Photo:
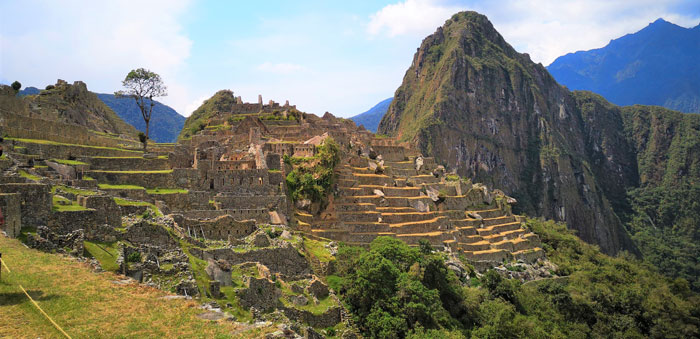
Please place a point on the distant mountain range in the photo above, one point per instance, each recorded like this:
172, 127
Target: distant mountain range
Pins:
373, 116
166, 123
659, 65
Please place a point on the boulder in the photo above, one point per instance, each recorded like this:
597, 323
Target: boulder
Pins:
433, 193
379, 193
215, 289
318, 289
300, 300
419, 205
419, 163
261, 240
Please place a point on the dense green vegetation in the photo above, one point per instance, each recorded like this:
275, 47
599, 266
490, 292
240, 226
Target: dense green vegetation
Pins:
311, 178
664, 226
397, 291
222, 101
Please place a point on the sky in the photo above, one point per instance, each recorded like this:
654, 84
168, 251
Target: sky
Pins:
336, 56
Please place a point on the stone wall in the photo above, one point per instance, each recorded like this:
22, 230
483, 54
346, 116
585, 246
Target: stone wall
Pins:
150, 234
36, 202
222, 228
285, 260
108, 212
126, 163
10, 208
324, 320
163, 179
261, 216
270, 202
192, 200
68, 151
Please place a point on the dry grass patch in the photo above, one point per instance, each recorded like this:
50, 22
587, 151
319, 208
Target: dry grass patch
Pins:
87, 304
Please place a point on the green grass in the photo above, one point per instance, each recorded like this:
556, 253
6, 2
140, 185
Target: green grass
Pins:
317, 249
73, 190
29, 176
335, 282
59, 200
124, 202
105, 253
68, 162
89, 305
322, 306
134, 172
166, 191
49, 142
87, 177
68, 208
3, 156
119, 187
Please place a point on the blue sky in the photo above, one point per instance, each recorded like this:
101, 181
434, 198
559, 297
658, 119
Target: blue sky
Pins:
337, 56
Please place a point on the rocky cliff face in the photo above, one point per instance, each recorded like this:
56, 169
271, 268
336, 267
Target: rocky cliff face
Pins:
479, 107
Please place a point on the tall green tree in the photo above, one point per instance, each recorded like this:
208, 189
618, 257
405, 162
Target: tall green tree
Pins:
143, 85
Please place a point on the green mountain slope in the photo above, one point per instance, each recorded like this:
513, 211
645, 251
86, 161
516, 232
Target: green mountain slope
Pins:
493, 115
221, 101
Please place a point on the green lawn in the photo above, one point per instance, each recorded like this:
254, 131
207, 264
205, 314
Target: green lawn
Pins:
29, 176
317, 249
166, 191
49, 142
68, 162
105, 253
134, 172
119, 187
90, 305
124, 202
76, 191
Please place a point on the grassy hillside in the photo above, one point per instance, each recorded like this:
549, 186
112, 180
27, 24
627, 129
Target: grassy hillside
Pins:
87, 304
222, 101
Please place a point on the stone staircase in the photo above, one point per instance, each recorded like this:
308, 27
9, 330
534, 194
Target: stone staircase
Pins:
394, 203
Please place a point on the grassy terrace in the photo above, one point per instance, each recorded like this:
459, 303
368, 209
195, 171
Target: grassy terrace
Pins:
68, 162
159, 157
119, 187
166, 191
61, 204
134, 172
48, 142
90, 305
76, 191
29, 176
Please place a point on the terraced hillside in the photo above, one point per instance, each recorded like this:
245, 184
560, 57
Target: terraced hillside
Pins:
417, 203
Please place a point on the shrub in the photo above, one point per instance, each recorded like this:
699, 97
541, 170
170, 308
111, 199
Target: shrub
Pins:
16, 86
134, 257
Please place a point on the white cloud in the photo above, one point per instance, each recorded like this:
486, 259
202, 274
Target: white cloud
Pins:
279, 68
192, 106
410, 17
96, 42
545, 29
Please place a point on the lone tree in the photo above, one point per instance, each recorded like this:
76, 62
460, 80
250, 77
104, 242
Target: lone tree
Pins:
16, 86
143, 85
